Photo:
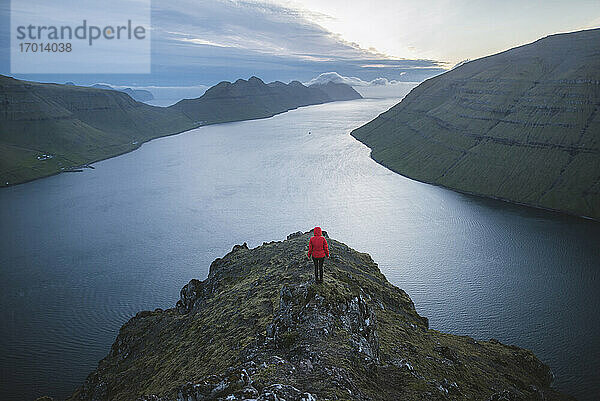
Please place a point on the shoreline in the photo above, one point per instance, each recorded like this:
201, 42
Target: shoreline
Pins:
483, 196
475, 194
89, 163
139, 144
79, 144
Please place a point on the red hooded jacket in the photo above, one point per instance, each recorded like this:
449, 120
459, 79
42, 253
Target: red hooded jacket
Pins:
317, 246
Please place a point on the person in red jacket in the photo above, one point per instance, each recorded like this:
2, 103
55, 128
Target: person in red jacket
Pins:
318, 249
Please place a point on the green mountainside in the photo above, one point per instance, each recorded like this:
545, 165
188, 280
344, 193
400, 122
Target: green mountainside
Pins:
260, 328
49, 128
522, 125
251, 99
71, 125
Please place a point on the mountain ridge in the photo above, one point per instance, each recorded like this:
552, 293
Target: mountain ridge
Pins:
259, 328
522, 125
237, 101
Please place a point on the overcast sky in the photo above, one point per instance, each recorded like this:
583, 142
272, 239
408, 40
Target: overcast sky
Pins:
205, 41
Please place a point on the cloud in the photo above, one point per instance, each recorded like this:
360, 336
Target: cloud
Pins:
352, 81
258, 36
204, 42
257, 27
384, 81
376, 88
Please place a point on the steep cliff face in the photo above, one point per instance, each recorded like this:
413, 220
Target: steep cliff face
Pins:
522, 125
260, 328
251, 99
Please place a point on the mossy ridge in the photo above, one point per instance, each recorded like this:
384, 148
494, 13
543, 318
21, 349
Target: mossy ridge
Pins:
259, 326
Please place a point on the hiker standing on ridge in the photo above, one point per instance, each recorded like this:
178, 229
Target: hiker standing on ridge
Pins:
318, 249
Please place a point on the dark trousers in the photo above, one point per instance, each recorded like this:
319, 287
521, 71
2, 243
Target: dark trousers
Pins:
318, 269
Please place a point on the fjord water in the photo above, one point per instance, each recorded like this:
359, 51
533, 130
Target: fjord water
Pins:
81, 253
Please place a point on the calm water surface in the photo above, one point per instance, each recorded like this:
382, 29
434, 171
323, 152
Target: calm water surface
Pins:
83, 252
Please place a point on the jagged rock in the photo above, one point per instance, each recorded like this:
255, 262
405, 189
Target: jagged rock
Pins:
276, 392
239, 247
191, 295
447, 353
507, 395
260, 328
294, 235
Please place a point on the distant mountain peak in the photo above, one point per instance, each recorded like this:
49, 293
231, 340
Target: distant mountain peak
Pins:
337, 91
254, 98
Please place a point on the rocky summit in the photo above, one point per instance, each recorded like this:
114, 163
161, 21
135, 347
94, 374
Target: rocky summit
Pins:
260, 328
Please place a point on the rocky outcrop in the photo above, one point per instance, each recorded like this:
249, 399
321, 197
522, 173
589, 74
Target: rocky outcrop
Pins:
237, 384
259, 328
522, 125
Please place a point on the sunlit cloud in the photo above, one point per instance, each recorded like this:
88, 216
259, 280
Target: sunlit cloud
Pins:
352, 81
378, 66
448, 30
183, 37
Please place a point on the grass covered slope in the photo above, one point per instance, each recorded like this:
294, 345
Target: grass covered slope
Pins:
522, 125
260, 328
75, 125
